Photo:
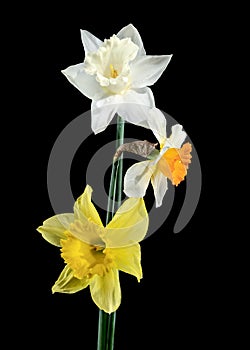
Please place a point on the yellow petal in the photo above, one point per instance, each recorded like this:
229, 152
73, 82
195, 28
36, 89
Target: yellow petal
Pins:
129, 225
128, 260
87, 232
87, 226
54, 228
85, 209
106, 291
67, 283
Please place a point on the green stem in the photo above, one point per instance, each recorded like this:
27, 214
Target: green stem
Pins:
111, 332
115, 186
102, 330
119, 142
106, 326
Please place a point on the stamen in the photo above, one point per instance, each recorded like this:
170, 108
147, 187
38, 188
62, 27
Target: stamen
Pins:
97, 248
113, 72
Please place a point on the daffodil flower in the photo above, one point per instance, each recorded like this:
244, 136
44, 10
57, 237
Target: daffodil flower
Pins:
171, 163
93, 253
115, 75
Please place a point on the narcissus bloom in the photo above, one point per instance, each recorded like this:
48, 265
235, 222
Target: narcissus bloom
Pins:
115, 75
93, 253
171, 163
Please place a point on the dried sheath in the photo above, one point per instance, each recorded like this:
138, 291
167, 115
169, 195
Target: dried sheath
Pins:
142, 148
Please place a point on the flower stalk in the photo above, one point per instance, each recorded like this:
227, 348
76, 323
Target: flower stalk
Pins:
106, 324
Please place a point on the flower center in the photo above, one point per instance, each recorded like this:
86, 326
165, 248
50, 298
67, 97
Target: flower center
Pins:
113, 56
113, 72
84, 259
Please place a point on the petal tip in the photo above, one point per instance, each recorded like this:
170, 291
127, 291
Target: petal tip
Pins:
89, 188
63, 71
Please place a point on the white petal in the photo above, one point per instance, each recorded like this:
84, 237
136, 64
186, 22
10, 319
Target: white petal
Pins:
90, 42
177, 137
131, 32
84, 82
146, 70
157, 123
102, 112
160, 186
135, 106
135, 113
137, 178
138, 109
143, 97
132, 106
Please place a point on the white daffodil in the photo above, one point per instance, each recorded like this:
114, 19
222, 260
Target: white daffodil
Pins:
171, 163
115, 75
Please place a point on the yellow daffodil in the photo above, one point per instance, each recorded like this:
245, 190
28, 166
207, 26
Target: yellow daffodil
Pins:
115, 75
171, 163
93, 253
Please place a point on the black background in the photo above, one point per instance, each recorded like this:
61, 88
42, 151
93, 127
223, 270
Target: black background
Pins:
179, 301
